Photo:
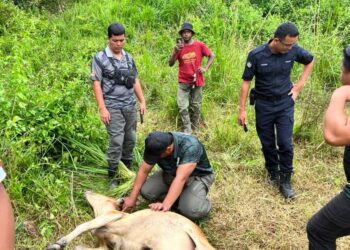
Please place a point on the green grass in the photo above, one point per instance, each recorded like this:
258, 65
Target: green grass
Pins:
53, 143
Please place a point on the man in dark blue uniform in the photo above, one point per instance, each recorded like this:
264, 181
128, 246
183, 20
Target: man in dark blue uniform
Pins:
274, 96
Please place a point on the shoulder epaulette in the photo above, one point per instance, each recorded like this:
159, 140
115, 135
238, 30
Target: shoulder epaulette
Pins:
258, 49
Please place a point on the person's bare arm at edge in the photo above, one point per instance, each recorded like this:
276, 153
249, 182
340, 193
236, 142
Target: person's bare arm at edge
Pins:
242, 115
139, 94
209, 63
7, 228
297, 87
7, 224
104, 113
141, 177
336, 125
176, 187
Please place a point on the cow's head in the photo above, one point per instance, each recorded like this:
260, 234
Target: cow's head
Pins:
102, 204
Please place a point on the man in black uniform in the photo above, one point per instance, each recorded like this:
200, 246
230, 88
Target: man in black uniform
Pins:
274, 96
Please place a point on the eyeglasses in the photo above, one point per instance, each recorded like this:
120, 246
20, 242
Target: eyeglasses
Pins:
286, 44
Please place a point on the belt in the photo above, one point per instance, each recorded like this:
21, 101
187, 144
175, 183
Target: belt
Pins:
271, 98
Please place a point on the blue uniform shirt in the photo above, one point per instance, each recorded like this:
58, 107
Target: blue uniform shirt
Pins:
272, 71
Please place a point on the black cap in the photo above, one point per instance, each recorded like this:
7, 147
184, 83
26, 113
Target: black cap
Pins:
155, 144
186, 26
347, 51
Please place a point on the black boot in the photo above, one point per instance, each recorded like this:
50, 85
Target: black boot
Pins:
111, 171
127, 163
111, 174
285, 186
274, 178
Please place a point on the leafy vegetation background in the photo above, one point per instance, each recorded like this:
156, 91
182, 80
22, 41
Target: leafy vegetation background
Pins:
52, 141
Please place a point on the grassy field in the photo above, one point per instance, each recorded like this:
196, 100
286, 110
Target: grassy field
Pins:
52, 141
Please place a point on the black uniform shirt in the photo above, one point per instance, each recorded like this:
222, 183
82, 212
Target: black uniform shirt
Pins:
272, 71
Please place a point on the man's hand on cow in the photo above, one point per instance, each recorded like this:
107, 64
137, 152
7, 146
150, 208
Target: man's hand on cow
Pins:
158, 206
128, 203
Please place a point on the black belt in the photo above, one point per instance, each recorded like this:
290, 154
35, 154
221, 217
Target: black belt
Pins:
271, 98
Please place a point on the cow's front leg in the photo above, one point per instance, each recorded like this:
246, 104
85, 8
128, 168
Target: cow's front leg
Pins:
87, 226
88, 248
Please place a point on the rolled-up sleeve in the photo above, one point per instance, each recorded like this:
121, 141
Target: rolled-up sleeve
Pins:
249, 69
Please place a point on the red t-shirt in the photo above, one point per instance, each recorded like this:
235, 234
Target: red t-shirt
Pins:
190, 59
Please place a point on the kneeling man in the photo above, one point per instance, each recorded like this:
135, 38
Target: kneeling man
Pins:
184, 179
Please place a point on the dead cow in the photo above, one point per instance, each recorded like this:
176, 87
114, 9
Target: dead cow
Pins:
142, 230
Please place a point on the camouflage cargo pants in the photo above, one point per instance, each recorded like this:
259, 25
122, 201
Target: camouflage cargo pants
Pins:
192, 203
122, 136
189, 98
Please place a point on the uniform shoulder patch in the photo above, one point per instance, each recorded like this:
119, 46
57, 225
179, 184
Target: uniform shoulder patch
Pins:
249, 64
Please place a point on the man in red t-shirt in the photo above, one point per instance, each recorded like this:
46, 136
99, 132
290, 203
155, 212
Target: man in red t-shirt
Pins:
189, 53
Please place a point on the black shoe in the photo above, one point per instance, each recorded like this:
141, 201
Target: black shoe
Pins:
274, 178
112, 169
285, 186
127, 163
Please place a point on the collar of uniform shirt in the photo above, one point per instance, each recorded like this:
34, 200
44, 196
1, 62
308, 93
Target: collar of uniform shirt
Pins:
109, 53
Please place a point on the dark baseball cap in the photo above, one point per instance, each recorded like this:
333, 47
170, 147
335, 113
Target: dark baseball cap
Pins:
186, 26
155, 144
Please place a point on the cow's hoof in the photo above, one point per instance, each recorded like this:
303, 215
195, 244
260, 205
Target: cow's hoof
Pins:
54, 247
60, 244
